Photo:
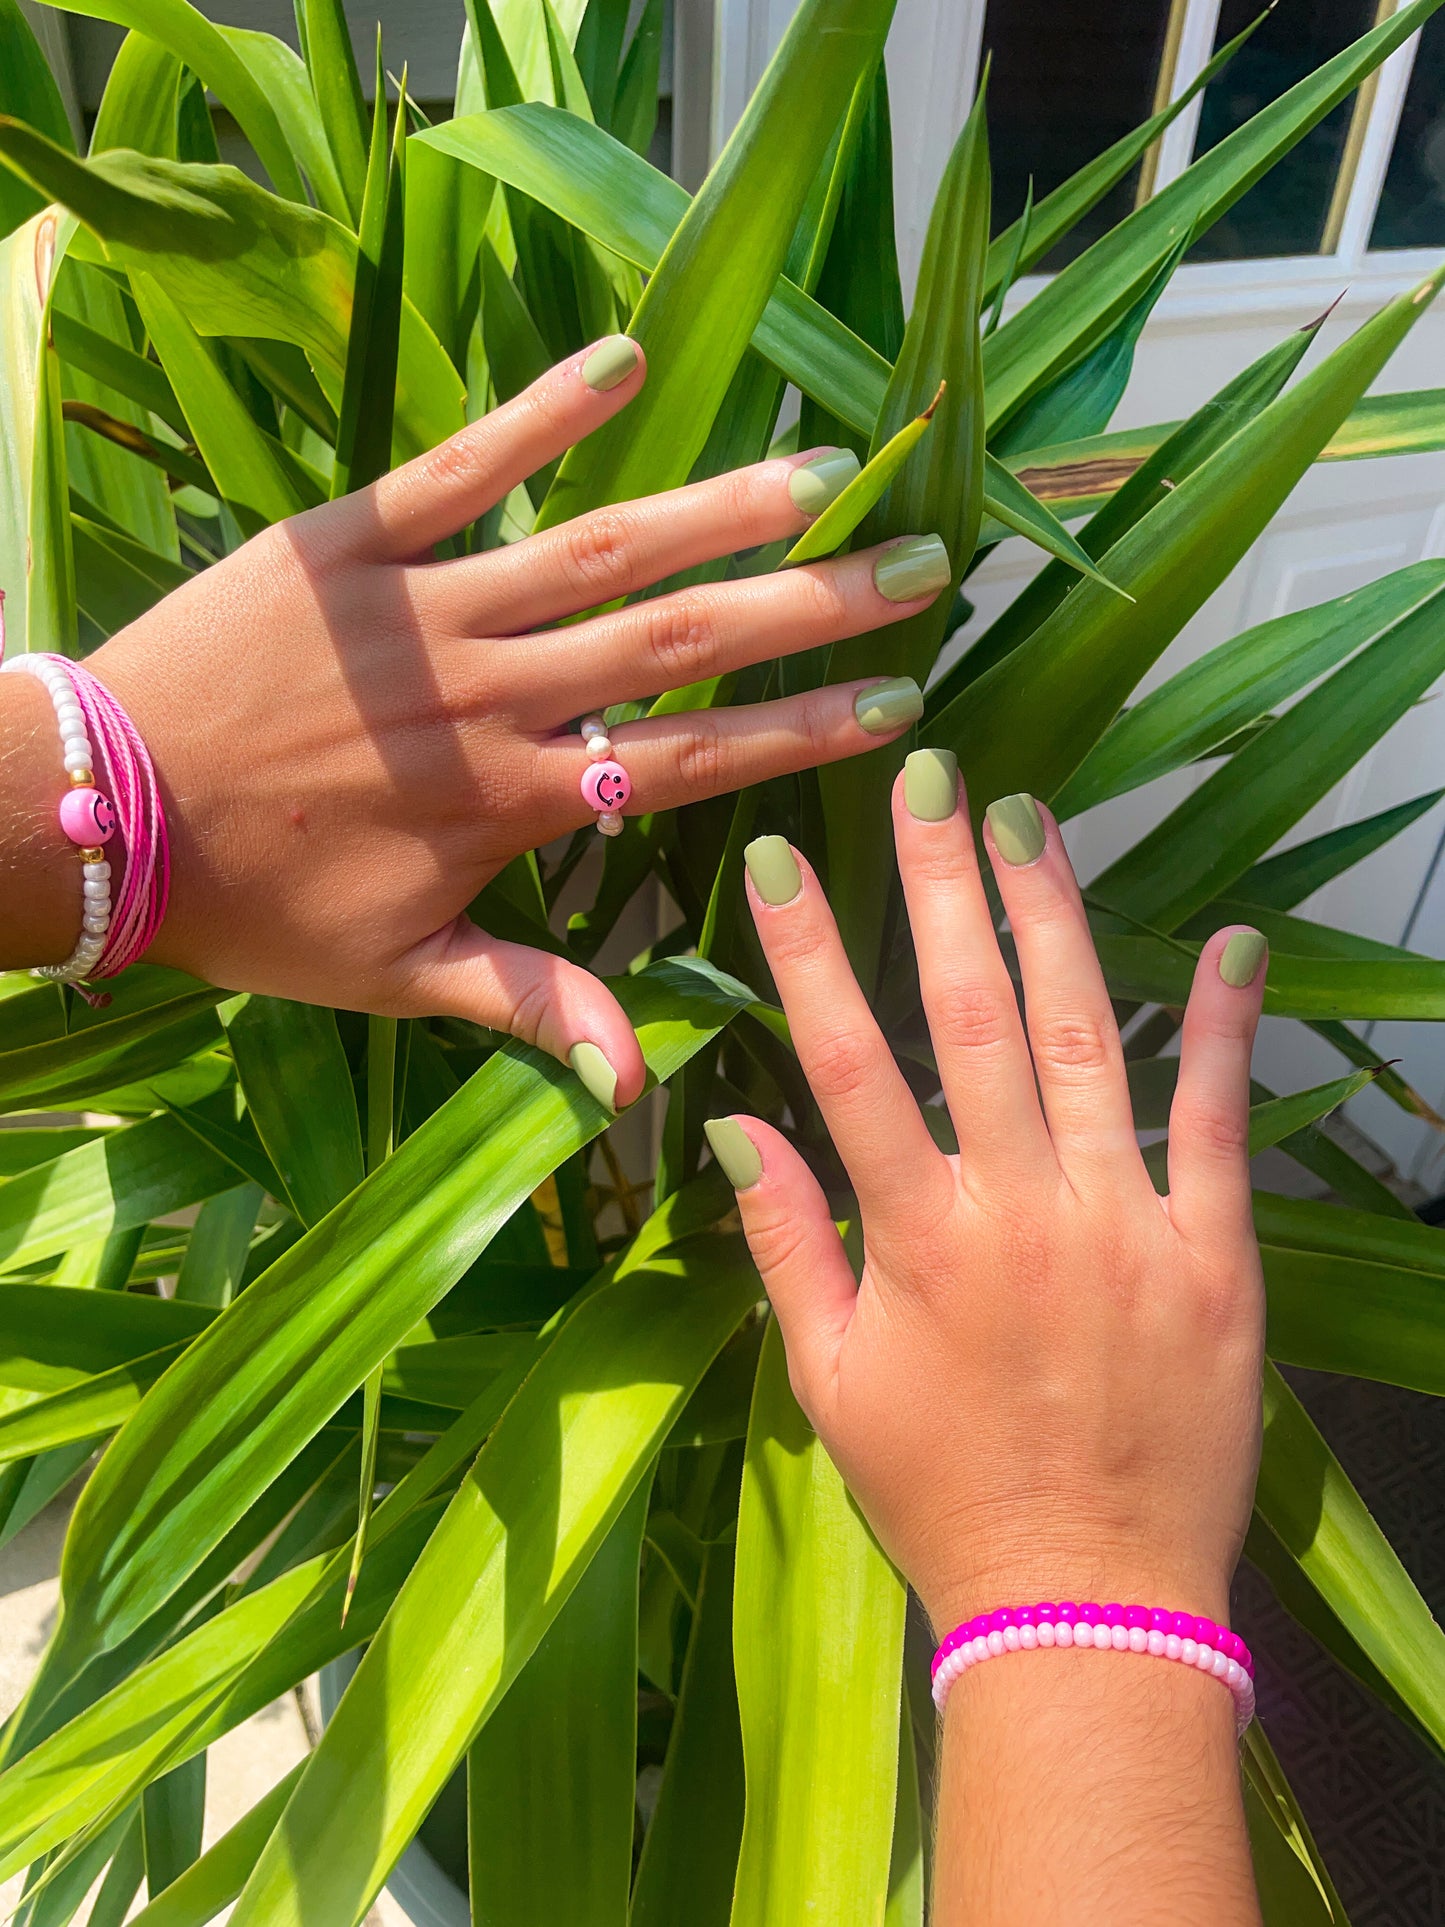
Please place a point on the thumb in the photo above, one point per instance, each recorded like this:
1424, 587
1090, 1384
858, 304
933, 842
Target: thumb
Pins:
542, 999
796, 1248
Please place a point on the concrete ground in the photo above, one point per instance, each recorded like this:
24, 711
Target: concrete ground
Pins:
240, 1767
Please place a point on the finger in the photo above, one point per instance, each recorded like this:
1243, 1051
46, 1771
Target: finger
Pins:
409, 511
1078, 1059
541, 999
796, 1248
1209, 1188
616, 551
968, 997
870, 1111
679, 639
671, 760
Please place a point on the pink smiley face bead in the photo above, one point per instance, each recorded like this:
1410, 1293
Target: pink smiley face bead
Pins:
87, 817
605, 786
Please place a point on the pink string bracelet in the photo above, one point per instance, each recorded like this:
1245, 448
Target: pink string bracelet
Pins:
606, 785
117, 924
1185, 1638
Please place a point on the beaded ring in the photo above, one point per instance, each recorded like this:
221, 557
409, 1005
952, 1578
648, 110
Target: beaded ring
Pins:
606, 786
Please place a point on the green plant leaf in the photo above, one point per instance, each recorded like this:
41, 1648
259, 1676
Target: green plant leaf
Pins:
28, 92
820, 1740
300, 1097
1307, 1501
173, 1810
551, 1777
1027, 723
725, 257
213, 1881
1295, 1888
1242, 810
544, 1492
240, 261
1083, 301
841, 517
1158, 970
326, 48
205, 49
51, 1336
1009, 503
1287, 879
280, 1360
368, 395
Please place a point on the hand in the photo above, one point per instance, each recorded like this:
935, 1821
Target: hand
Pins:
353, 738
1046, 1384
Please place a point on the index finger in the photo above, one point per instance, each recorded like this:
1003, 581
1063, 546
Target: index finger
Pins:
406, 513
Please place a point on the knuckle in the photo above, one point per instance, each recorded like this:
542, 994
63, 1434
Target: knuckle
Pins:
777, 1240
596, 552
682, 639
821, 603
528, 1010
1080, 1045
463, 462
840, 1067
1214, 1130
705, 758
972, 1016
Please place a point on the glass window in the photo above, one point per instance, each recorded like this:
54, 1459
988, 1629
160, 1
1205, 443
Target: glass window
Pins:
1285, 213
1066, 82
1411, 213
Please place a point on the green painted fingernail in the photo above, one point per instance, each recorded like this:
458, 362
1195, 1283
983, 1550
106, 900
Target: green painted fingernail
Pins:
773, 869
1018, 829
1241, 957
734, 1151
610, 363
913, 569
930, 784
596, 1073
888, 706
821, 481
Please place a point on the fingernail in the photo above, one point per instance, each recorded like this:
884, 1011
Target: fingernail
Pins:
1241, 957
930, 784
1018, 829
821, 481
734, 1151
610, 363
911, 569
889, 706
596, 1073
773, 869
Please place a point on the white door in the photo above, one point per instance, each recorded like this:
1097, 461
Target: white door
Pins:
1357, 212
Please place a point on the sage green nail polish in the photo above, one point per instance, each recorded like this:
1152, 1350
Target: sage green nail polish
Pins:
596, 1073
913, 569
930, 784
889, 706
735, 1152
821, 481
1241, 957
610, 363
773, 869
1018, 829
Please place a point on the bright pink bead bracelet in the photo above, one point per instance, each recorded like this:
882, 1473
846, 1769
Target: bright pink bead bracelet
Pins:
1183, 1637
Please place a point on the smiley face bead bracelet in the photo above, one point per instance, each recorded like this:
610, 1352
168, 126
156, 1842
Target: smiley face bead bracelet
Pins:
606, 786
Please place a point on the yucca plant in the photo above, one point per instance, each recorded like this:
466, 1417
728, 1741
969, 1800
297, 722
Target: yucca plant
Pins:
423, 1269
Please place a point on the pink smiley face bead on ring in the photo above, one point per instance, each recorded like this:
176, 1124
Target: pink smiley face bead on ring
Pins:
606, 786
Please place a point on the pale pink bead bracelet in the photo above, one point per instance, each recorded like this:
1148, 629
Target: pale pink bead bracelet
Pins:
1185, 1638
116, 925
606, 785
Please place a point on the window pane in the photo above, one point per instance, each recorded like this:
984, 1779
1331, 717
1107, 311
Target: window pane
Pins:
1411, 213
1066, 82
1285, 212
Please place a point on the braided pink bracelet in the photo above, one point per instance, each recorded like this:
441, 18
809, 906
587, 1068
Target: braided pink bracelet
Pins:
118, 925
1182, 1637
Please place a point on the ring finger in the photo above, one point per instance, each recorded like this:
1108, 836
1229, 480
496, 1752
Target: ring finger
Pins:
680, 639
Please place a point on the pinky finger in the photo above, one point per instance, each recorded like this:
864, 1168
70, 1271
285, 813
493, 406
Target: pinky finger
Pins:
1209, 1119
796, 1248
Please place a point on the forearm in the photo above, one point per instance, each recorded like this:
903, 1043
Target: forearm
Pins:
39, 881
1091, 1789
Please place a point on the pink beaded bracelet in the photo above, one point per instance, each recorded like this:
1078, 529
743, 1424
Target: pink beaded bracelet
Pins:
1183, 1637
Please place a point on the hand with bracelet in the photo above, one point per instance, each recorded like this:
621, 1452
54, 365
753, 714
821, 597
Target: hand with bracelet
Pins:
353, 738
1047, 1381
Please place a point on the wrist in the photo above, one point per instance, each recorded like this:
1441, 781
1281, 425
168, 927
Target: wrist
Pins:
39, 884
